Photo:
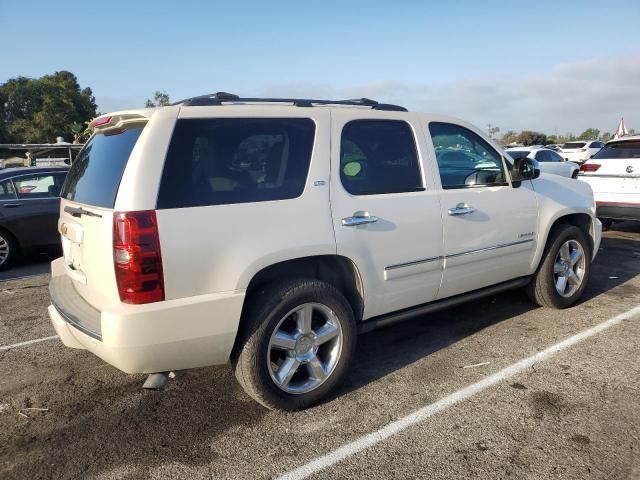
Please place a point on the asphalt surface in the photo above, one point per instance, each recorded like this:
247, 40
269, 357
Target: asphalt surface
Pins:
573, 416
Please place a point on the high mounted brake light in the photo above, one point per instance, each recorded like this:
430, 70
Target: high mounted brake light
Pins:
100, 122
137, 258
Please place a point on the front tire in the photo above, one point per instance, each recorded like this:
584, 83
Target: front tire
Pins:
564, 269
298, 341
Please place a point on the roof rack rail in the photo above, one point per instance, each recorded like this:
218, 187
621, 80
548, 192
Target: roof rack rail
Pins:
219, 98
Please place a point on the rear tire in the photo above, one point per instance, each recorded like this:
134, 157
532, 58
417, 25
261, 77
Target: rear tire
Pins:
8, 249
564, 268
298, 340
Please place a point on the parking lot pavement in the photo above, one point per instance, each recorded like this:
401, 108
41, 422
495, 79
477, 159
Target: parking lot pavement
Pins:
29, 266
574, 415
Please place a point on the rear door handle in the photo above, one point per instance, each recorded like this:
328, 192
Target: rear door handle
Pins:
359, 218
461, 209
12, 205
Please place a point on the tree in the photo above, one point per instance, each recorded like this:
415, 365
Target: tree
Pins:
160, 99
589, 134
41, 109
493, 130
605, 137
528, 138
509, 137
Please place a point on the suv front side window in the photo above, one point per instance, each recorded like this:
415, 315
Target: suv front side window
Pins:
464, 158
378, 157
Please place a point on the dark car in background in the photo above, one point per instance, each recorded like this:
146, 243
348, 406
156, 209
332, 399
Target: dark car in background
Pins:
29, 210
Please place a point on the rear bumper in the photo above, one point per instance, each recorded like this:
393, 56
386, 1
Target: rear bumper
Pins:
618, 211
164, 336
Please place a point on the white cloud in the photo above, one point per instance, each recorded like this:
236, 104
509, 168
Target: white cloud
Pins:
568, 97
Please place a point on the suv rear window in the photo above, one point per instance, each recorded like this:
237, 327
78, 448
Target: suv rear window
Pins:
236, 160
95, 175
619, 150
574, 145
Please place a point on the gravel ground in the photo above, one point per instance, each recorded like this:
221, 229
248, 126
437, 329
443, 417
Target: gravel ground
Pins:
576, 415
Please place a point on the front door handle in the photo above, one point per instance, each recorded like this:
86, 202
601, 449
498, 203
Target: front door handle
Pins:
12, 205
461, 209
359, 218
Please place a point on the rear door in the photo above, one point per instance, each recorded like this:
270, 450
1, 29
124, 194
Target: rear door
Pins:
489, 226
385, 207
33, 215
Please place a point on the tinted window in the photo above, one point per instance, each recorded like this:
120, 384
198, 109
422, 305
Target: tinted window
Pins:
42, 185
630, 149
237, 160
6, 190
542, 156
378, 156
518, 153
465, 159
574, 145
95, 175
596, 145
555, 157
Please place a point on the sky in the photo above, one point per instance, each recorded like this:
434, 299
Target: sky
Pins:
552, 66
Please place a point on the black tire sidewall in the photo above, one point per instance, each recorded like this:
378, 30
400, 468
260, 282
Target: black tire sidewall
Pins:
269, 308
12, 249
560, 236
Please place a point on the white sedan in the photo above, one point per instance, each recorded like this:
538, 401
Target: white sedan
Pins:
550, 161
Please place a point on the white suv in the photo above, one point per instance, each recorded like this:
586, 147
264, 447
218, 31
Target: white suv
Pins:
580, 151
614, 175
269, 233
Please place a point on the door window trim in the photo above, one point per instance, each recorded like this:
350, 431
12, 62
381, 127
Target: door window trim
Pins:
15, 190
504, 161
416, 149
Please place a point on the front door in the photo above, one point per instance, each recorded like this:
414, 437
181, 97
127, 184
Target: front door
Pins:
489, 226
386, 213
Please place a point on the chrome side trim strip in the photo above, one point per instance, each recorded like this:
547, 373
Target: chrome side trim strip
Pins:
412, 262
486, 249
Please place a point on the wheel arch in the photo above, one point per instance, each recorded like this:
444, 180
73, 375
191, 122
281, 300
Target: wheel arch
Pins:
582, 220
336, 270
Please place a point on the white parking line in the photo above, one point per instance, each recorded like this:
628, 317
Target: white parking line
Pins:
28, 342
424, 413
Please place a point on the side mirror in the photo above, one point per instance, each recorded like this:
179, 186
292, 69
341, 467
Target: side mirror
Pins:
524, 168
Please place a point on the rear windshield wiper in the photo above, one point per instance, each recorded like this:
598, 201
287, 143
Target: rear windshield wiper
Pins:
78, 212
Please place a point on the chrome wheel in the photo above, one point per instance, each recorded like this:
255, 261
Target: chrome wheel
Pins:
304, 348
569, 268
4, 250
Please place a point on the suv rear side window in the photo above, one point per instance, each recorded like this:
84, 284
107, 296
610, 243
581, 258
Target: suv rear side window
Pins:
236, 160
465, 159
379, 156
95, 175
6, 190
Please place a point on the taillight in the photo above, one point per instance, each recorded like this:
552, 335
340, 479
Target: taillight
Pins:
137, 258
589, 167
100, 121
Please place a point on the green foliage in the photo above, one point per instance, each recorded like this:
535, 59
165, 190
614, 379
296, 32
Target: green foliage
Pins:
589, 134
38, 110
605, 137
510, 136
528, 137
160, 99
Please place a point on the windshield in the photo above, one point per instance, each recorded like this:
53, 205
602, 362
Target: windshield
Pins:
574, 145
517, 153
95, 175
630, 149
